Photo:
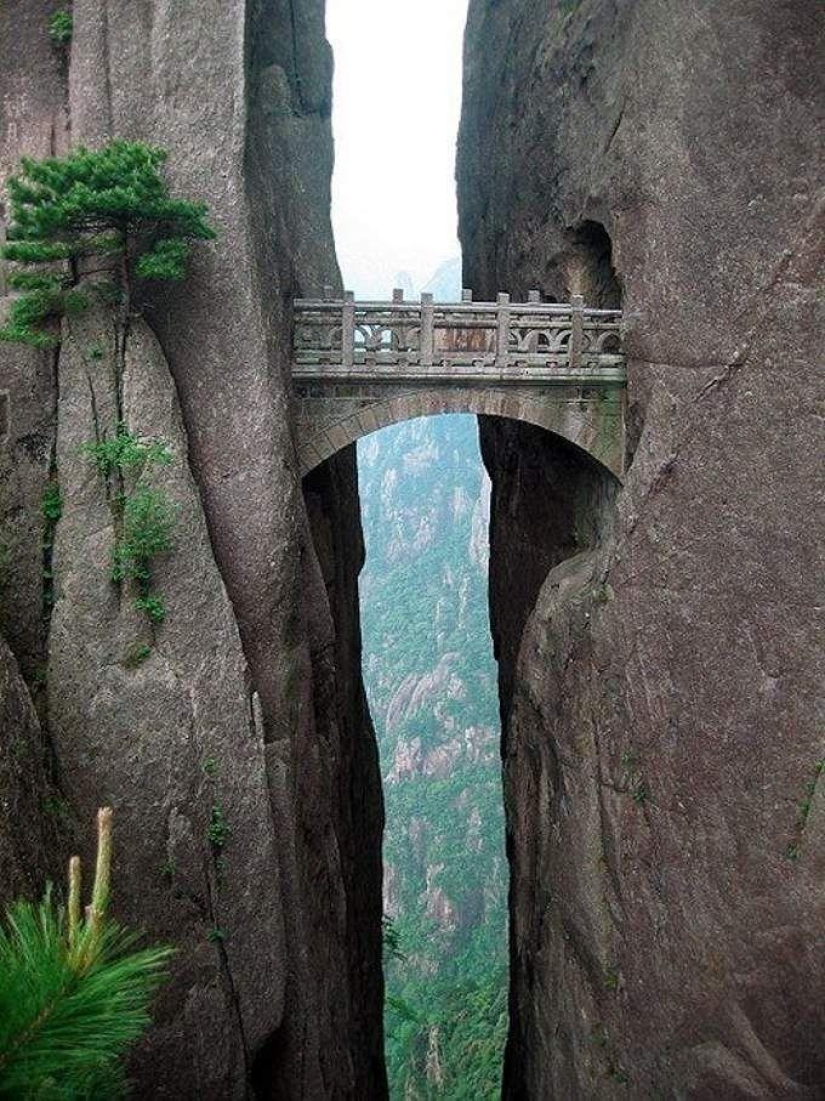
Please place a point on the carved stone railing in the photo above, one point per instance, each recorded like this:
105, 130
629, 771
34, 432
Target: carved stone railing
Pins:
469, 340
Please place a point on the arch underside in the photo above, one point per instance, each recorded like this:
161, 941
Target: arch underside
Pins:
333, 417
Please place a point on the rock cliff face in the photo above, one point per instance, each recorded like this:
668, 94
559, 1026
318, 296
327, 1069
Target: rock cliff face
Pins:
244, 705
664, 746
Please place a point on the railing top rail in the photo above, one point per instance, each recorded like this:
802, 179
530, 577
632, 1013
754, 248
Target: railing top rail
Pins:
532, 308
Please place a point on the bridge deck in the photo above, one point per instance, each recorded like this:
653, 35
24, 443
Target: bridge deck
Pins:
359, 366
470, 342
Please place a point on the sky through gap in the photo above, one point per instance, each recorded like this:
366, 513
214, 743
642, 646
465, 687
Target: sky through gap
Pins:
397, 99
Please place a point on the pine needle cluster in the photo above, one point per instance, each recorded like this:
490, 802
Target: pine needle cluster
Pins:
110, 206
74, 992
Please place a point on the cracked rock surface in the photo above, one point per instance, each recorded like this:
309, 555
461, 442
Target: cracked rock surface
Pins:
665, 803
245, 706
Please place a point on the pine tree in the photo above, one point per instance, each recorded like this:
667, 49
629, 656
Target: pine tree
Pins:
74, 992
67, 212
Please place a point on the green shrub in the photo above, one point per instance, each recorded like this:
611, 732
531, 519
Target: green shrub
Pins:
110, 203
219, 830
124, 451
153, 606
61, 28
75, 991
51, 506
148, 522
137, 653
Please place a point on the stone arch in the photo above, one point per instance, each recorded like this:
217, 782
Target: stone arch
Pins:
592, 420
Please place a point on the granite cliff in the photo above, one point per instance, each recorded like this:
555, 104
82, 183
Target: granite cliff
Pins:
244, 707
660, 662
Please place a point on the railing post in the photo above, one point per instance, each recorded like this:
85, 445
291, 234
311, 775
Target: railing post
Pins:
466, 295
533, 299
348, 330
427, 330
398, 294
576, 332
327, 293
502, 330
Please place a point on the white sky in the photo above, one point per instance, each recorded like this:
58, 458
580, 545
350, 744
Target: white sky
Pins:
397, 97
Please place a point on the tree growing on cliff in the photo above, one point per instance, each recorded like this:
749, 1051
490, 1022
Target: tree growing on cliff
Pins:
74, 991
107, 210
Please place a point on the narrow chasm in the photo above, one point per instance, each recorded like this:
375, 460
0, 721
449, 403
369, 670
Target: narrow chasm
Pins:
439, 711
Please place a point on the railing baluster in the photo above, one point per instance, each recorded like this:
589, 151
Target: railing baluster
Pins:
457, 336
427, 330
533, 299
576, 332
348, 330
466, 295
502, 330
398, 294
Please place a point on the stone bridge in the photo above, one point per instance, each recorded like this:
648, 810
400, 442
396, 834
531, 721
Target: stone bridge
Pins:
359, 366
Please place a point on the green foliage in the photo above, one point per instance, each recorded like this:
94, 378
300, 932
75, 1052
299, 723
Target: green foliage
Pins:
61, 28
57, 808
153, 606
216, 935
125, 451
794, 850
640, 793
137, 653
391, 939
446, 983
29, 313
74, 994
51, 506
165, 260
210, 767
111, 203
148, 516
634, 783
467, 1028
218, 831
148, 523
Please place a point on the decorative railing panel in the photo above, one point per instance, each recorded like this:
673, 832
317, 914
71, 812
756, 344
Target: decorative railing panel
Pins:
345, 338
